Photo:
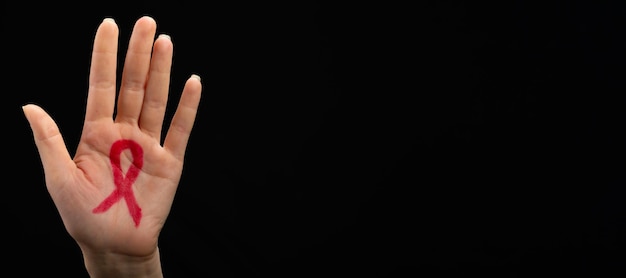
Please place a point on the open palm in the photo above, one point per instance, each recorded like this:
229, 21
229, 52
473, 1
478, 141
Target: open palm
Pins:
116, 192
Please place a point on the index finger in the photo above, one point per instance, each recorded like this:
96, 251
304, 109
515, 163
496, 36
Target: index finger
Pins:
102, 74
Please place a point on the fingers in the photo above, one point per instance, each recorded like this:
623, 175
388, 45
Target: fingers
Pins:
52, 151
144, 86
102, 75
184, 117
135, 73
155, 99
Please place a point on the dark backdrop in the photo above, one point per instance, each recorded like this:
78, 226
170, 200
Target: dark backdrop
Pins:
358, 139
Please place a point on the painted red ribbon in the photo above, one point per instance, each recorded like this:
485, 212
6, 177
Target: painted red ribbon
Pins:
123, 182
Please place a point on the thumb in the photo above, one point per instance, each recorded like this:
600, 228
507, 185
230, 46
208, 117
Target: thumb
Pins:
52, 150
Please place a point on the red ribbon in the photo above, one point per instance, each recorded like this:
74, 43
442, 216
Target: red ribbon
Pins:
123, 182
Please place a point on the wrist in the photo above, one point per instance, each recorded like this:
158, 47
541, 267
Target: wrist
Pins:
107, 264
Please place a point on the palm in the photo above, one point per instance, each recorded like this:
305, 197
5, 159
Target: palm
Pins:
91, 182
80, 184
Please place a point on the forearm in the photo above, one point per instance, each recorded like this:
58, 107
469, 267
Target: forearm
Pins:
100, 264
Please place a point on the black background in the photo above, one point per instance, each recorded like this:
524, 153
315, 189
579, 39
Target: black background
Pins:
355, 139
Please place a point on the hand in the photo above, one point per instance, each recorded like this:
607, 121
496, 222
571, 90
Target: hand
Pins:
118, 220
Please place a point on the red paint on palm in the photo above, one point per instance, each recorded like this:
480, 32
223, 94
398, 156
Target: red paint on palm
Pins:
123, 183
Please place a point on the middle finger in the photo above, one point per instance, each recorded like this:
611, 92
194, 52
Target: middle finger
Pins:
135, 71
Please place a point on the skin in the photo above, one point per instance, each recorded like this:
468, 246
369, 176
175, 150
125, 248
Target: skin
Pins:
111, 244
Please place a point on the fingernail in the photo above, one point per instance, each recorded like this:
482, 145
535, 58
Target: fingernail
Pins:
196, 77
165, 36
108, 19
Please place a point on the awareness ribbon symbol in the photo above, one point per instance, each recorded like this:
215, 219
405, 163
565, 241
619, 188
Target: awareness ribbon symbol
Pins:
123, 182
